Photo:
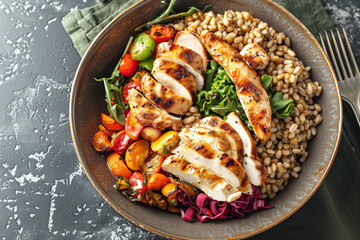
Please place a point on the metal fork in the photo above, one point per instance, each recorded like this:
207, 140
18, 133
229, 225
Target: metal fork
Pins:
348, 73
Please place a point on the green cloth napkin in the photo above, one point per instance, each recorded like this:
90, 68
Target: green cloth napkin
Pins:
84, 25
334, 211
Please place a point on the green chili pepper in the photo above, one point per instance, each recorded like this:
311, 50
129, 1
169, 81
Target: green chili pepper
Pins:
143, 47
147, 63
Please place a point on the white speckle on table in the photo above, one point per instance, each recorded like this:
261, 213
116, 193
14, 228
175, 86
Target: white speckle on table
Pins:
29, 178
78, 172
39, 157
54, 195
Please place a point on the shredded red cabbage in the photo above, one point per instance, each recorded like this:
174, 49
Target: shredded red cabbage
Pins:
204, 208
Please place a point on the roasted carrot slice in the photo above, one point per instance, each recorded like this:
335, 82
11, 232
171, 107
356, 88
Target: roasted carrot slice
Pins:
117, 166
111, 123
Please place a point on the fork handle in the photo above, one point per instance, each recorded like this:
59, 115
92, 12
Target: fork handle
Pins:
355, 108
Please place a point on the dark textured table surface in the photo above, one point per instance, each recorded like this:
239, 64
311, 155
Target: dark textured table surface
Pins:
44, 193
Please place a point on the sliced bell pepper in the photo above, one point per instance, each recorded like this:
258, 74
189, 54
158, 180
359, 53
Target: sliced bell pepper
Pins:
132, 126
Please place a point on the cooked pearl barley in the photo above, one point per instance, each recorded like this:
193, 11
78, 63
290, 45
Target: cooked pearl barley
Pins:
286, 149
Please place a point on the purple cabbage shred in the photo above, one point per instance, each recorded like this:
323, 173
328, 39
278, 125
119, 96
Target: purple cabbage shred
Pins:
204, 208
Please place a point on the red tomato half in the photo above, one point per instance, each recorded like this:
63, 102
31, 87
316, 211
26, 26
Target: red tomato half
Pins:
127, 88
161, 33
128, 66
132, 126
136, 182
121, 142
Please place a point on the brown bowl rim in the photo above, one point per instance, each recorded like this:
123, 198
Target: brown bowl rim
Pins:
164, 234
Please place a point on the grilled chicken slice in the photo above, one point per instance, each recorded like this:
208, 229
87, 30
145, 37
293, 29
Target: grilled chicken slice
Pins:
186, 57
192, 41
251, 93
213, 138
224, 129
163, 97
175, 77
201, 153
254, 168
212, 185
255, 56
148, 114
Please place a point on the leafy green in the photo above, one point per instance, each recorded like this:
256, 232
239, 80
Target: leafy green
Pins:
165, 149
266, 80
144, 179
219, 95
210, 73
173, 202
113, 89
279, 106
165, 16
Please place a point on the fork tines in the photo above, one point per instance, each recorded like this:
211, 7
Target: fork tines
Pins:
341, 54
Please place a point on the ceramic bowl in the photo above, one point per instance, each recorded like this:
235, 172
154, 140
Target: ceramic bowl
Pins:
87, 102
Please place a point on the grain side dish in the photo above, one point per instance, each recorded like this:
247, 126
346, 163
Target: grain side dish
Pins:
209, 114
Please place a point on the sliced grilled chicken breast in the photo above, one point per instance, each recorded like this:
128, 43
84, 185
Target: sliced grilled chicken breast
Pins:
212, 185
200, 153
163, 97
254, 168
255, 56
186, 57
213, 138
192, 41
150, 115
251, 93
175, 77
223, 128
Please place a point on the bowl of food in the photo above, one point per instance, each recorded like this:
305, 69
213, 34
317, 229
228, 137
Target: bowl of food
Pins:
220, 123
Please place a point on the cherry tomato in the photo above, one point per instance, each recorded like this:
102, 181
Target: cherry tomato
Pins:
128, 66
121, 142
136, 181
161, 33
132, 126
127, 88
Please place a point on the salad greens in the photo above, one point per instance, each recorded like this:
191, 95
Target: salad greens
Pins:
166, 16
219, 96
113, 89
279, 106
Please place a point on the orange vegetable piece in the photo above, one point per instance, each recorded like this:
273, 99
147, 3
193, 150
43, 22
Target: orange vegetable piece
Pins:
101, 142
173, 209
138, 76
117, 166
157, 182
144, 201
137, 153
171, 192
111, 123
152, 165
150, 133
105, 130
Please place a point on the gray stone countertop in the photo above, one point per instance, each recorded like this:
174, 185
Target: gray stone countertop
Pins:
44, 194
